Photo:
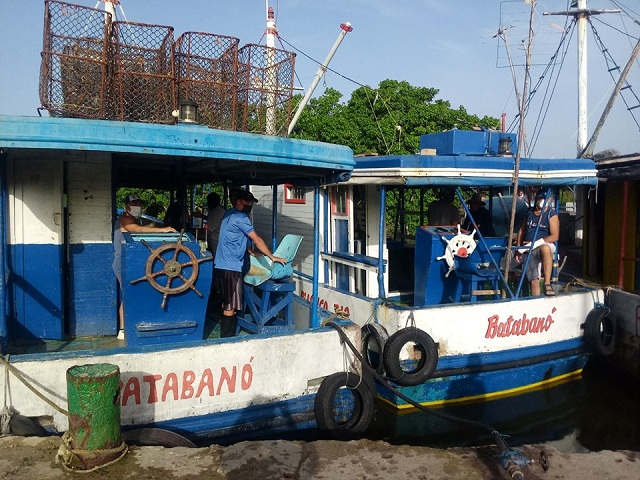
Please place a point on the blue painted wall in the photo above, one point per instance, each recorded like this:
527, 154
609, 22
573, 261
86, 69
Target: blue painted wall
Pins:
93, 302
36, 282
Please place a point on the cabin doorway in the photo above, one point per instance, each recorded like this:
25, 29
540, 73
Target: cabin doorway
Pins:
36, 247
91, 283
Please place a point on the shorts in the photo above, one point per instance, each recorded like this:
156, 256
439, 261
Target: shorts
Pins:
534, 269
231, 284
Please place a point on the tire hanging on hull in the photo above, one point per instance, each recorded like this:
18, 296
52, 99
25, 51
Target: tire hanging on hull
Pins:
600, 331
423, 345
358, 400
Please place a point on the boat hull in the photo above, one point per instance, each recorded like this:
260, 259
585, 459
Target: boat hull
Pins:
485, 349
247, 386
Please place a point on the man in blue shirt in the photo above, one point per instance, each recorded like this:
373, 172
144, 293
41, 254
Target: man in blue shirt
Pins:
235, 230
541, 240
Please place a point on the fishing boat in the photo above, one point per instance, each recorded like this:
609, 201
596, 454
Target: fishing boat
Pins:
616, 259
439, 321
60, 175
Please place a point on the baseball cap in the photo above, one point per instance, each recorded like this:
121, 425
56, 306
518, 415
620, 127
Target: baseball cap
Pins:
476, 198
247, 196
132, 197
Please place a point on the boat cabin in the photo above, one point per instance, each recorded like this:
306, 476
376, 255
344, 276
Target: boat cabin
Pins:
60, 178
378, 241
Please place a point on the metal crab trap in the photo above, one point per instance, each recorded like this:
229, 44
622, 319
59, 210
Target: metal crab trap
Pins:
74, 69
207, 73
265, 89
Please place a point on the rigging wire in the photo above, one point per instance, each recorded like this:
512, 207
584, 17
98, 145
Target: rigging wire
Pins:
549, 90
367, 89
610, 61
620, 6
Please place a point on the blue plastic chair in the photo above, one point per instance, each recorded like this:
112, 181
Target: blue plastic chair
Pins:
268, 292
263, 269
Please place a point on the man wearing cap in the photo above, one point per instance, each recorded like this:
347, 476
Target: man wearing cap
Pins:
542, 241
235, 230
129, 221
443, 211
481, 216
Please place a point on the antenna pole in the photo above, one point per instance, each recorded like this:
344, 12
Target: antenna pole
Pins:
344, 29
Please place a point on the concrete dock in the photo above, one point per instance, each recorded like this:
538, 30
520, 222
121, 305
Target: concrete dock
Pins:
29, 458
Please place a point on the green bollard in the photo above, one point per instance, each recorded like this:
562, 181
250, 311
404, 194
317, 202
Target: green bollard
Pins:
93, 397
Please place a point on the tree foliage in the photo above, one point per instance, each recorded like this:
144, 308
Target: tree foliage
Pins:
387, 120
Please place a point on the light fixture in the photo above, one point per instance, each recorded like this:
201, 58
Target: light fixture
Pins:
188, 111
504, 146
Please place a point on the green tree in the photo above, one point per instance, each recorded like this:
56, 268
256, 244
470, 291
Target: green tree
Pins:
387, 120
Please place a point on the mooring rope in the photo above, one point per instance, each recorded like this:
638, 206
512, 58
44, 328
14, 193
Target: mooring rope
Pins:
27, 384
506, 451
67, 455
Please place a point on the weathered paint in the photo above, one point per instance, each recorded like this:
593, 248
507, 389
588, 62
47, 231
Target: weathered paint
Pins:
93, 396
249, 371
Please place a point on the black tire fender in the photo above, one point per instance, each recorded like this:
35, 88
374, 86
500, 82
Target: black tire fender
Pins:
327, 399
600, 331
426, 364
376, 333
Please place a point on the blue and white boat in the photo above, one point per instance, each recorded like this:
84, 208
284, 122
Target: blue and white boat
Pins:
59, 293
112, 90
443, 328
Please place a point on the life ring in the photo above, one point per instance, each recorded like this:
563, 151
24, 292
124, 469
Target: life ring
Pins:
600, 331
344, 405
423, 345
374, 338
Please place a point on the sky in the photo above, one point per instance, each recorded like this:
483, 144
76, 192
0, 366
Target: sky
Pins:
447, 45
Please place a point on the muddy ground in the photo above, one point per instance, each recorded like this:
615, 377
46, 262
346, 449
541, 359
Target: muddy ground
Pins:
31, 458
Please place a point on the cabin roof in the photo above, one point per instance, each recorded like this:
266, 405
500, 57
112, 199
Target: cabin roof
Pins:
621, 167
471, 170
145, 154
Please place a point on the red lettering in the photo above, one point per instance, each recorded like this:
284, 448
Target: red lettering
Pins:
153, 392
132, 388
170, 385
187, 384
206, 380
492, 328
247, 375
229, 379
521, 326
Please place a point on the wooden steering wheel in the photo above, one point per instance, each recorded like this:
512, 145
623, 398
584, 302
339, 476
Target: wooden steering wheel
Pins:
158, 266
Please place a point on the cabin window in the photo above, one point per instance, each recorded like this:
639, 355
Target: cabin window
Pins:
340, 201
294, 194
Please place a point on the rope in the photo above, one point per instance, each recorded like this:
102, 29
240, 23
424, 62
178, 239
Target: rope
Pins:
343, 336
7, 410
5, 419
348, 362
67, 455
22, 378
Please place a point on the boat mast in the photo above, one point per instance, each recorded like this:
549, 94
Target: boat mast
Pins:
344, 29
582, 14
271, 34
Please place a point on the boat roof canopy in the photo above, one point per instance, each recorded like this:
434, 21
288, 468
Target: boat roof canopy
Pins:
159, 156
471, 170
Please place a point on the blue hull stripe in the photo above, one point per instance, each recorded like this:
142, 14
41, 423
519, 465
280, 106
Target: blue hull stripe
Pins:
237, 425
484, 361
484, 385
